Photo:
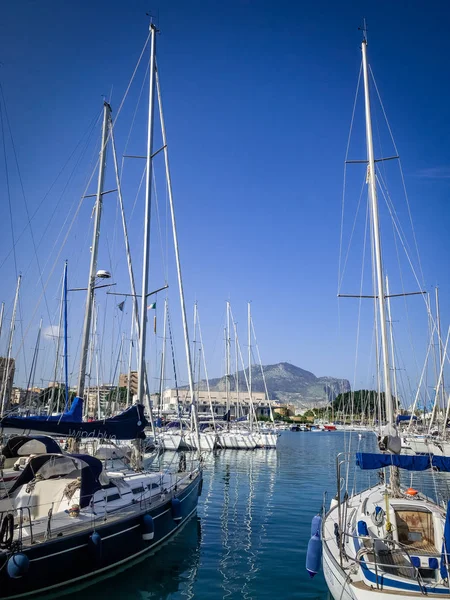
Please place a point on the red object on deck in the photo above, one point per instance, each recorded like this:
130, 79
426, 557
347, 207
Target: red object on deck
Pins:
329, 427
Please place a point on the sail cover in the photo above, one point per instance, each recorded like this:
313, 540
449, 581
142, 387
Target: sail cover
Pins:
127, 426
366, 460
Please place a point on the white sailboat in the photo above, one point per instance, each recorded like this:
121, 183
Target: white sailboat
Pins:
384, 542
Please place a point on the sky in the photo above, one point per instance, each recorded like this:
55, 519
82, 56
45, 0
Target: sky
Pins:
258, 100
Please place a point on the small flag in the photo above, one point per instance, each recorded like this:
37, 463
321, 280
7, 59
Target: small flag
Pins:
121, 305
150, 306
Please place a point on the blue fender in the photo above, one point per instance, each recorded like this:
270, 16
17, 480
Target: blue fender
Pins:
95, 545
176, 509
148, 528
18, 565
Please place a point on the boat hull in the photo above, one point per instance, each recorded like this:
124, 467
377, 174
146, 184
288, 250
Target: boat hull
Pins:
64, 561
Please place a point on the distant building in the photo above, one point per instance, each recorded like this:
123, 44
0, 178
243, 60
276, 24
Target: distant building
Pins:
239, 403
285, 410
96, 394
123, 381
7, 370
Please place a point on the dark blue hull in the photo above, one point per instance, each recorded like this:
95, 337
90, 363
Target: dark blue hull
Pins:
69, 560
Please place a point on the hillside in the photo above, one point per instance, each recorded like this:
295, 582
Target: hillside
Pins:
288, 384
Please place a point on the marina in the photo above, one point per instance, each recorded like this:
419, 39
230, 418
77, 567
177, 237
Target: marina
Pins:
166, 260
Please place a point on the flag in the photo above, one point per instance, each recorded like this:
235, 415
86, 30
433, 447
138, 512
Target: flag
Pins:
121, 305
150, 306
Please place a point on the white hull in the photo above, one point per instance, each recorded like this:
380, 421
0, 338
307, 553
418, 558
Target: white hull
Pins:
265, 440
208, 441
170, 441
425, 445
231, 440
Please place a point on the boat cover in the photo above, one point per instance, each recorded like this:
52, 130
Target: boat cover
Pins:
48, 466
367, 460
75, 413
405, 418
128, 425
24, 445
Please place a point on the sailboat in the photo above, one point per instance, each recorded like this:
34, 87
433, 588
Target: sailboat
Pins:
66, 519
384, 542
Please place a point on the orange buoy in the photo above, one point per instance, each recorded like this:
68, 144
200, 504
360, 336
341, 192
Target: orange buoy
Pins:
411, 491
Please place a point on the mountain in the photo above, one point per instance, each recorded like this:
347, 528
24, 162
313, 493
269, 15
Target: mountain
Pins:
287, 383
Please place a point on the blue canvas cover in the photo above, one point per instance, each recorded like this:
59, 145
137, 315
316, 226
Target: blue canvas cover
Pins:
74, 414
421, 462
367, 460
129, 425
401, 418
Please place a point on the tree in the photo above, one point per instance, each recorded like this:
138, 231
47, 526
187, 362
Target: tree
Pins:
360, 402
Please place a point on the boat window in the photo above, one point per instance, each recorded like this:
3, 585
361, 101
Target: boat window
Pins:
138, 490
113, 497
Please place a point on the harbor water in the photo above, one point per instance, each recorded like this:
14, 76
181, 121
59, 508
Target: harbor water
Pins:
254, 520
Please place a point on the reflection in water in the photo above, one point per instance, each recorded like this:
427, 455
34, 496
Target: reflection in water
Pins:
255, 511
157, 577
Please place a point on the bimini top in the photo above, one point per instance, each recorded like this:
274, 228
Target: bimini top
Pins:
24, 445
418, 462
50, 466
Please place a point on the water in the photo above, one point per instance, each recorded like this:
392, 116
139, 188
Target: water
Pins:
249, 540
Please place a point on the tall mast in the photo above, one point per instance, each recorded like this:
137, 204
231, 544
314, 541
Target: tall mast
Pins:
227, 361
6, 369
249, 333
148, 204
143, 392
66, 349
371, 178
94, 253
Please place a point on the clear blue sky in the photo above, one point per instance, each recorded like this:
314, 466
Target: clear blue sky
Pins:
258, 99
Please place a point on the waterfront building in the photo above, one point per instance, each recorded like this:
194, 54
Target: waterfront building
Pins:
239, 403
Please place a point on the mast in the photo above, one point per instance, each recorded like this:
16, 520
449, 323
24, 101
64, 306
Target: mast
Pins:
227, 363
66, 350
148, 200
391, 338
6, 369
441, 354
130, 357
249, 320
2, 311
34, 360
94, 253
163, 360
58, 344
377, 241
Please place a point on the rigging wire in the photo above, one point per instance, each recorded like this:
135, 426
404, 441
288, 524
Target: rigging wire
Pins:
402, 177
